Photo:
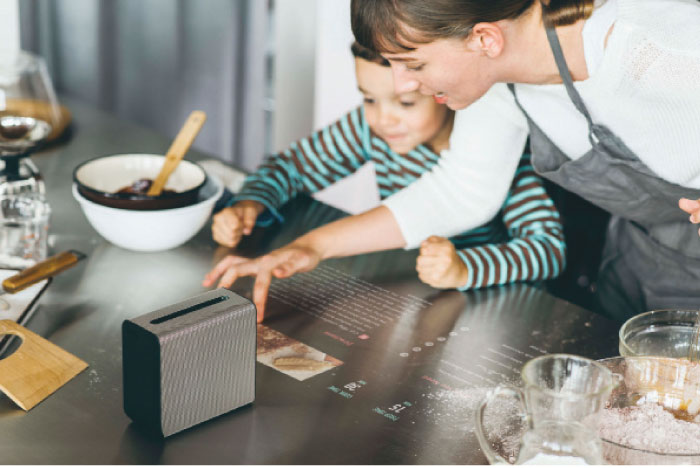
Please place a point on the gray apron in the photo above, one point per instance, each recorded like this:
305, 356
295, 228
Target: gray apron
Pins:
651, 257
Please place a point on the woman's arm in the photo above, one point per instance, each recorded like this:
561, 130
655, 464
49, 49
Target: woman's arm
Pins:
468, 186
464, 191
371, 231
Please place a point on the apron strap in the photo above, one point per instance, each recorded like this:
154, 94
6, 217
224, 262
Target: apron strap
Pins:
568, 81
511, 87
565, 74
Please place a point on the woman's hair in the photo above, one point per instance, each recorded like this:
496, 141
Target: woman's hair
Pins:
368, 54
386, 25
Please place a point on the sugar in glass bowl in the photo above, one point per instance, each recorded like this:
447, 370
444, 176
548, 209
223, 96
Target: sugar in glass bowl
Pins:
653, 415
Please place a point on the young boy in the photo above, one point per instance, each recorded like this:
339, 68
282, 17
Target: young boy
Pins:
403, 136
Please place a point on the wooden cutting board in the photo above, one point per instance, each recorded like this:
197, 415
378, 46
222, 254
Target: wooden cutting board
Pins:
36, 369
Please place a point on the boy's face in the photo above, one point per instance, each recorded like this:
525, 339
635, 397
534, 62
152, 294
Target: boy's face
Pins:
405, 120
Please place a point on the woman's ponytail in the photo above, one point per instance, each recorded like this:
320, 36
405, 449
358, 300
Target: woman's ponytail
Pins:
565, 12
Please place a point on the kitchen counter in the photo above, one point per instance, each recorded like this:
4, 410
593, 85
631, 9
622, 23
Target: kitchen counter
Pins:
411, 361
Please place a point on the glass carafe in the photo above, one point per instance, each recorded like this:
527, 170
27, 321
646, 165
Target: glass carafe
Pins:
29, 115
560, 400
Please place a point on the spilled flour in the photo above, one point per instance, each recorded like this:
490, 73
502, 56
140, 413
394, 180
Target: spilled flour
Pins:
503, 425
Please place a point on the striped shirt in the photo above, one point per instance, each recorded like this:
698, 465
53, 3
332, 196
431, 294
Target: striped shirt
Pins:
524, 242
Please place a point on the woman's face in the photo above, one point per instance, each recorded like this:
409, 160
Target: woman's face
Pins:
403, 120
454, 71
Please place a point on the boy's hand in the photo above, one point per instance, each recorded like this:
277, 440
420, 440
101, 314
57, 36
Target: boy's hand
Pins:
231, 223
439, 265
692, 207
280, 263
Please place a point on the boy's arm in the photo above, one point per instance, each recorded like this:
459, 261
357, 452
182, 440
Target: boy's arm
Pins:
536, 251
309, 164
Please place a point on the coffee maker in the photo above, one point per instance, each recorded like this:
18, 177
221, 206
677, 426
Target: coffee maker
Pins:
29, 115
19, 137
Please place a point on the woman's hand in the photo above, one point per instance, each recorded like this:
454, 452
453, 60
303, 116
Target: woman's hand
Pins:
231, 223
692, 207
280, 263
439, 265
371, 231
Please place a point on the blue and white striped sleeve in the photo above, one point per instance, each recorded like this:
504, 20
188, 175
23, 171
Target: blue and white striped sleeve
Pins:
308, 165
536, 250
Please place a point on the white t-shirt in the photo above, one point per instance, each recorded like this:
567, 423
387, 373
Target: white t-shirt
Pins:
644, 85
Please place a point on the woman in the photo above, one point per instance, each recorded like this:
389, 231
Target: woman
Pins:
625, 136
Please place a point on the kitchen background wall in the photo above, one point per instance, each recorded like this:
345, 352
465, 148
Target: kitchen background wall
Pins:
266, 71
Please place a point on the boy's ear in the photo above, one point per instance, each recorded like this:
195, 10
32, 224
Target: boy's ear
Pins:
487, 38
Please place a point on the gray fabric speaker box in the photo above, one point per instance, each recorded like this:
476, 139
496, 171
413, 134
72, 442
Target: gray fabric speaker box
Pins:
189, 362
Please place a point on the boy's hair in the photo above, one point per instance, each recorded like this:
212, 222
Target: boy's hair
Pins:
362, 52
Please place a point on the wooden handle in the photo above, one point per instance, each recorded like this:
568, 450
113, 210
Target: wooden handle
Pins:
177, 150
42, 270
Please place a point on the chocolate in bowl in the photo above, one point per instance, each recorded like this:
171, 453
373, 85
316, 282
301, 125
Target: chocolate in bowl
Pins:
100, 180
142, 186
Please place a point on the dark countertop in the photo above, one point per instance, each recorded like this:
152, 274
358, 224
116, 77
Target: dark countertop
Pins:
415, 359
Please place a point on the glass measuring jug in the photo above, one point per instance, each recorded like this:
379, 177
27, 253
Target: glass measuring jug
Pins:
560, 400
24, 225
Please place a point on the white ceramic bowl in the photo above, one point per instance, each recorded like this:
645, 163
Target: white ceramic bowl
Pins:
100, 179
153, 230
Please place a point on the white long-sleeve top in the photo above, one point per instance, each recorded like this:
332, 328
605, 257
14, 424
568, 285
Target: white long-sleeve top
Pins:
644, 85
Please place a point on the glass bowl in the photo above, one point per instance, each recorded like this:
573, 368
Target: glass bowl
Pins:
645, 383
667, 333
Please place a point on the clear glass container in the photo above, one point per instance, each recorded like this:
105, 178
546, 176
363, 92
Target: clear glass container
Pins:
560, 400
666, 333
29, 115
24, 226
26, 91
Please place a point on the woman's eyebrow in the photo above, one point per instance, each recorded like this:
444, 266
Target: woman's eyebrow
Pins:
400, 59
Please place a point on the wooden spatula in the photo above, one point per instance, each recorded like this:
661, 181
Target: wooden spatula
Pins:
36, 369
177, 150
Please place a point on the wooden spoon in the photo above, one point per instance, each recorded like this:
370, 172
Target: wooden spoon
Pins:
177, 150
